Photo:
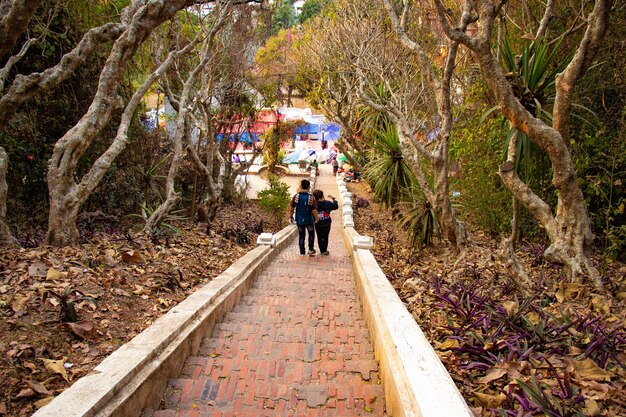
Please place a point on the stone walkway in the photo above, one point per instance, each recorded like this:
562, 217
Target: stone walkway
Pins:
295, 345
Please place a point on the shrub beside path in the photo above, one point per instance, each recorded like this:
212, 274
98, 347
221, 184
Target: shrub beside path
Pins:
295, 345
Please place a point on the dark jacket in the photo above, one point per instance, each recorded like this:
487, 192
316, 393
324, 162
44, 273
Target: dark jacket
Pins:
323, 211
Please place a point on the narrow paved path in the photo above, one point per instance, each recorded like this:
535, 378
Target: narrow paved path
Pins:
295, 345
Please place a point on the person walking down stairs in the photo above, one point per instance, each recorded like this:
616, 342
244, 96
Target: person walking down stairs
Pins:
322, 227
304, 206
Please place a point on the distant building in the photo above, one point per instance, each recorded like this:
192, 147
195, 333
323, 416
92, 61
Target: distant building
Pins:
297, 6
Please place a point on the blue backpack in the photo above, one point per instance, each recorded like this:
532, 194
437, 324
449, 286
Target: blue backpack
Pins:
304, 206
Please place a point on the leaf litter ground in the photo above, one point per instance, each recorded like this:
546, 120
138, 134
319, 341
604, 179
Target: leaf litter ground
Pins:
117, 286
560, 352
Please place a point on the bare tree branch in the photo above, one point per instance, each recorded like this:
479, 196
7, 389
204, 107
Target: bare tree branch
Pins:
545, 20
596, 28
26, 86
14, 18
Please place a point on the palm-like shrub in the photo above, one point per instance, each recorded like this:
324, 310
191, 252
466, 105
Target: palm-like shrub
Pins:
532, 76
417, 218
387, 170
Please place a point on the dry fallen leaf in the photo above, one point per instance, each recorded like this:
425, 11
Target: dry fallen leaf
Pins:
448, 344
511, 307
589, 370
490, 401
38, 387
532, 317
38, 269
591, 408
56, 367
492, 374
133, 257
25, 393
84, 329
53, 274
18, 303
601, 304
569, 290
43, 401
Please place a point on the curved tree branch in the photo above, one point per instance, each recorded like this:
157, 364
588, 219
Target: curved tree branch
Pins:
26, 86
14, 18
596, 28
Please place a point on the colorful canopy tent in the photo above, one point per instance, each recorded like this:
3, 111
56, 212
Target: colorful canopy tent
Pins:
332, 131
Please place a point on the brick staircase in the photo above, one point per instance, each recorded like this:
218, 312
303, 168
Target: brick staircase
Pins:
295, 345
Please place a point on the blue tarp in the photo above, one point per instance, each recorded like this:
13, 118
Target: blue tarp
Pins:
243, 137
307, 129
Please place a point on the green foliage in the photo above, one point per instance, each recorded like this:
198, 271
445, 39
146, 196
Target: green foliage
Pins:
387, 171
311, 8
532, 74
485, 199
166, 227
284, 16
273, 139
275, 199
29, 137
418, 219
67, 298
601, 166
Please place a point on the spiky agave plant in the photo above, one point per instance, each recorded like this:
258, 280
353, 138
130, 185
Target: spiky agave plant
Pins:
387, 170
418, 218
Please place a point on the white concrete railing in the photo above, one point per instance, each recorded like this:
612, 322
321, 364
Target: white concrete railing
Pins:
416, 382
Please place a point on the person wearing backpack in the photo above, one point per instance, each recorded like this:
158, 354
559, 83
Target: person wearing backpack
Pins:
322, 227
304, 205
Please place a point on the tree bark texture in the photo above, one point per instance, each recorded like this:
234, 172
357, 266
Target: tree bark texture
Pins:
569, 227
5, 234
14, 18
25, 87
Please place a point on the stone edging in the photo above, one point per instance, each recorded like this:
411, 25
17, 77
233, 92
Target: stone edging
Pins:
134, 376
416, 382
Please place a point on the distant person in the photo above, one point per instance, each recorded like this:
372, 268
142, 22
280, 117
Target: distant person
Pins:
304, 206
316, 165
324, 144
335, 165
322, 227
236, 159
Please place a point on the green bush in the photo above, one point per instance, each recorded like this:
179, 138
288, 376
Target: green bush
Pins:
601, 167
484, 198
275, 199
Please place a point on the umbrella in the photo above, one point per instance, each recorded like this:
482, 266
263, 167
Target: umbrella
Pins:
332, 131
305, 154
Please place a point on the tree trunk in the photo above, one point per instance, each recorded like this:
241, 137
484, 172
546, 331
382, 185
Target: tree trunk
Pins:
62, 228
212, 205
139, 20
5, 234
453, 230
569, 229
183, 124
172, 197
